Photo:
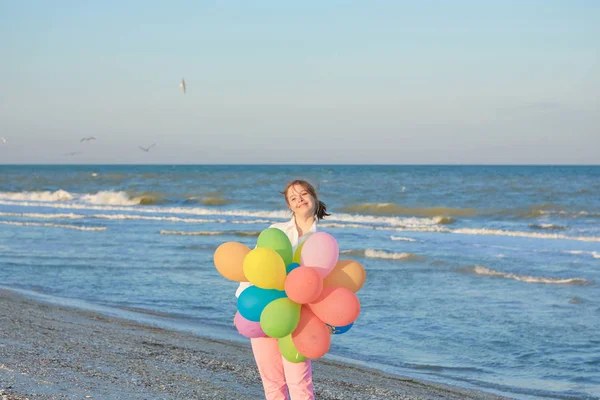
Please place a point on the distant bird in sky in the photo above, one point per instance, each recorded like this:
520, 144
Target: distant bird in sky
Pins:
182, 85
147, 149
73, 153
87, 139
3, 139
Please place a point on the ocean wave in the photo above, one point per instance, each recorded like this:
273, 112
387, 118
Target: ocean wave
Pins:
594, 254
104, 197
534, 235
370, 253
550, 227
133, 217
338, 225
50, 225
482, 270
576, 300
186, 233
156, 218
403, 239
210, 233
109, 197
58, 195
395, 209
444, 220
214, 201
339, 220
542, 210
438, 229
42, 216
281, 214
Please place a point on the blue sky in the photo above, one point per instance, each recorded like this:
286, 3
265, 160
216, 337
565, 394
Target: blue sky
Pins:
425, 82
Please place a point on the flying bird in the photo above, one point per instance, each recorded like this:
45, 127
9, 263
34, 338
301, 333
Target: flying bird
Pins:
73, 153
87, 139
3, 139
182, 85
147, 149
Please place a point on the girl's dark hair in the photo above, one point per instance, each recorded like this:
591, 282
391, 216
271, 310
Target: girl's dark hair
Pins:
320, 207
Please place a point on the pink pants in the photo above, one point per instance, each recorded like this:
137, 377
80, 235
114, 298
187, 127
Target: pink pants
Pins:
278, 375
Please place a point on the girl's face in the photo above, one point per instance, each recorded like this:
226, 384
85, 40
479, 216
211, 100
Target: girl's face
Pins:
300, 201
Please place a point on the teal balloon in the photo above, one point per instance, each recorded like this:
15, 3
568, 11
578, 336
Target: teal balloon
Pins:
253, 300
277, 240
288, 349
280, 317
291, 267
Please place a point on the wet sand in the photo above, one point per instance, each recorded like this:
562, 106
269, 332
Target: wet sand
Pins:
56, 352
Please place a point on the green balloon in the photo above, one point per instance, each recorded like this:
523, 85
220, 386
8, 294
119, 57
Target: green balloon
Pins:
288, 350
280, 317
277, 240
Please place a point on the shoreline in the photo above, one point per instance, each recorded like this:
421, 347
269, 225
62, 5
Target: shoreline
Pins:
52, 351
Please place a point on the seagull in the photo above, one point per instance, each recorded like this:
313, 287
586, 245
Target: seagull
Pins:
3, 139
72, 153
87, 139
182, 85
147, 149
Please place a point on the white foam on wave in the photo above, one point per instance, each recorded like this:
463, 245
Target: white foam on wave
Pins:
59, 195
109, 197
340, 220
153, 210
50, 225
415, 229
106, 197
402, 239
42, 216
594, 254
186, 233
534, 235
482, 270
370, 253
116, 198
133, 217
155, 218
209, 233
342, 226
381, 254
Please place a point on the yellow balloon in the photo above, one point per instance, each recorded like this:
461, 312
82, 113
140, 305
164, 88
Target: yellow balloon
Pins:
265, 268
296, 257
347, 273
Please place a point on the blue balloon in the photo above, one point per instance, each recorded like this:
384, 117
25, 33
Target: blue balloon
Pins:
291, 267
253, 300
338, 330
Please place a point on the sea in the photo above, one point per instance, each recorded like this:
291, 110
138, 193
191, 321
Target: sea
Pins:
485, 277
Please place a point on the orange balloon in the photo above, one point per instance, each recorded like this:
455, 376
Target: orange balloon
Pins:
346, 273
229, 260
336, 306
303, 285
311, 337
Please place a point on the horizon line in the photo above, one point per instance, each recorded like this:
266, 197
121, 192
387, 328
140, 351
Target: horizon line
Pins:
308, 164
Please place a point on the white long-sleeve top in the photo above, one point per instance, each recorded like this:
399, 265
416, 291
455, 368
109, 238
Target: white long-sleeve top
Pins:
289, 228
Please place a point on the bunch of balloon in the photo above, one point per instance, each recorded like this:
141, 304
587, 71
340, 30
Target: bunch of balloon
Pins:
299, 298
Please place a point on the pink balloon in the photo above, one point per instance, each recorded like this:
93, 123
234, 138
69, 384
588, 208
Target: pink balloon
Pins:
321, 252
303, 285
337, 306
311, 337
247, 328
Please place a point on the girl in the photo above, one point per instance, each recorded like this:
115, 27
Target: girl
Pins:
279, 375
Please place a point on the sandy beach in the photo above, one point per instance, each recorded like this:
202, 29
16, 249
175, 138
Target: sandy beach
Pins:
53, 352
